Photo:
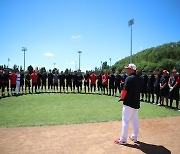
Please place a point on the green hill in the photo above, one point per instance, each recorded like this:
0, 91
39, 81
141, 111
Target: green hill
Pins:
166, 56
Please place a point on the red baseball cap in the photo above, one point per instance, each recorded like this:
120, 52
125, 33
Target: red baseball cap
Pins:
165, 71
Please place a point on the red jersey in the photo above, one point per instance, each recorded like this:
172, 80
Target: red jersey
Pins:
13, 78
93, 78
34, 77
105, 79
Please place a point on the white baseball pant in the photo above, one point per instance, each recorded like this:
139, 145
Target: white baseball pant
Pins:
127, 114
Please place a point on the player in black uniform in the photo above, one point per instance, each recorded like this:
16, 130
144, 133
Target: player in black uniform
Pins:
50, 81
75, 81
111, 83
86, 81
22, 80
27, 81
38, 80
80, 78
157, 86
124, 76
5, 82
174, 89
69, 80
118, 80
151, 81
164, 88
44, 79
144, 87
62, 78
99, 82
55, 80
1, 78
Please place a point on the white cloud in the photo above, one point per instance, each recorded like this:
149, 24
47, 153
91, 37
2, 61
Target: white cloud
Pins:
76, 37
48, 54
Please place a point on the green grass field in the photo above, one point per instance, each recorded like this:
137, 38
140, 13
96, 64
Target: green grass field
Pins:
57, 109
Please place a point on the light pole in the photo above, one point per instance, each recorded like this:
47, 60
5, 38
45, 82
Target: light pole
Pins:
79, 59
54, 64
8, 62
24, 49
130, 23
110, 61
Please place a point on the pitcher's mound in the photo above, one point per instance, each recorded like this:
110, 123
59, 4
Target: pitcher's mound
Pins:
161, 135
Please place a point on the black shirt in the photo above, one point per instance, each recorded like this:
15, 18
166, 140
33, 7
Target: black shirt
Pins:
50, 77
133, 85
44, 77
75, 78
86, 77
27, 78
68, 78
157, 82
145, 80
111, 79
62, 78
118, 79
99, 77
151, 81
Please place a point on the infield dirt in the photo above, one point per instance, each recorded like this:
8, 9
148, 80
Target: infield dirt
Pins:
160, 135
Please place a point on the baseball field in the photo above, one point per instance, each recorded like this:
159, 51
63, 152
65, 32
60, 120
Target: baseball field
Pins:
82, 123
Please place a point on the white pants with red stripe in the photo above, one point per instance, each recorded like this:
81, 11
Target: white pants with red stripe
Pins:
127, 114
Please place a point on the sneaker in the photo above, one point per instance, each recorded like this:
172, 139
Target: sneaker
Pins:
118, 141
134, 140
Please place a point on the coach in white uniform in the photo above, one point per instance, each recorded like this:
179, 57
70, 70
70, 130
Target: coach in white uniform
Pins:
130, 96
18, 82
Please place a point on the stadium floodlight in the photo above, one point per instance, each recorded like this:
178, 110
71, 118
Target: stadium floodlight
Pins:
8, 62
24, 49
79, 59
130, 23
110, 61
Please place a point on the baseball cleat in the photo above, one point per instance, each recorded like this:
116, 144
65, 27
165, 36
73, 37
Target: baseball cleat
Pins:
134, 140
118, 141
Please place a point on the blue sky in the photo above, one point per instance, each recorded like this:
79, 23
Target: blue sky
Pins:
54, 30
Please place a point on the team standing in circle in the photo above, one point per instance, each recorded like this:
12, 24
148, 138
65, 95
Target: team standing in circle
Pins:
164, 86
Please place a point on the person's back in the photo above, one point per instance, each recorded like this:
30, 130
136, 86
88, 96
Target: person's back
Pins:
133, 85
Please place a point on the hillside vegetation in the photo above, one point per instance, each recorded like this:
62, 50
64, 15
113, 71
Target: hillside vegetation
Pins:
166, 56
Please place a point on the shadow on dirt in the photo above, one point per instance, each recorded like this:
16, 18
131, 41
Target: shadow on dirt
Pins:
149, 148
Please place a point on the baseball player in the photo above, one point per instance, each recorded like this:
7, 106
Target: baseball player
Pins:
118, 80
18, 80
75, 81
50, 81
130, 96
93, 79
12, 78
86, 81
174, 88
62, 78
55, 80
22, 81
144, 87
69, 80
34, 78
27, 81
151, 81
157, 86
111, 83
99, 82
105, 82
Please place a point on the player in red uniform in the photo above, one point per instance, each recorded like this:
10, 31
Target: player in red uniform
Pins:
105, 82
34, 78
13, 78
93, 79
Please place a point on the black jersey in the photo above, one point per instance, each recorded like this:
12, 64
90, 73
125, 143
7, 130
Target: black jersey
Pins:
99, 78
75, 78
151, 81
6, 78
133, 85
50, 77
39, 78
144, 80
1, 78
27, 78
68, 78
80, 78
111, 78
118, 79
22, 78
62, 78
44, 77
86, 77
